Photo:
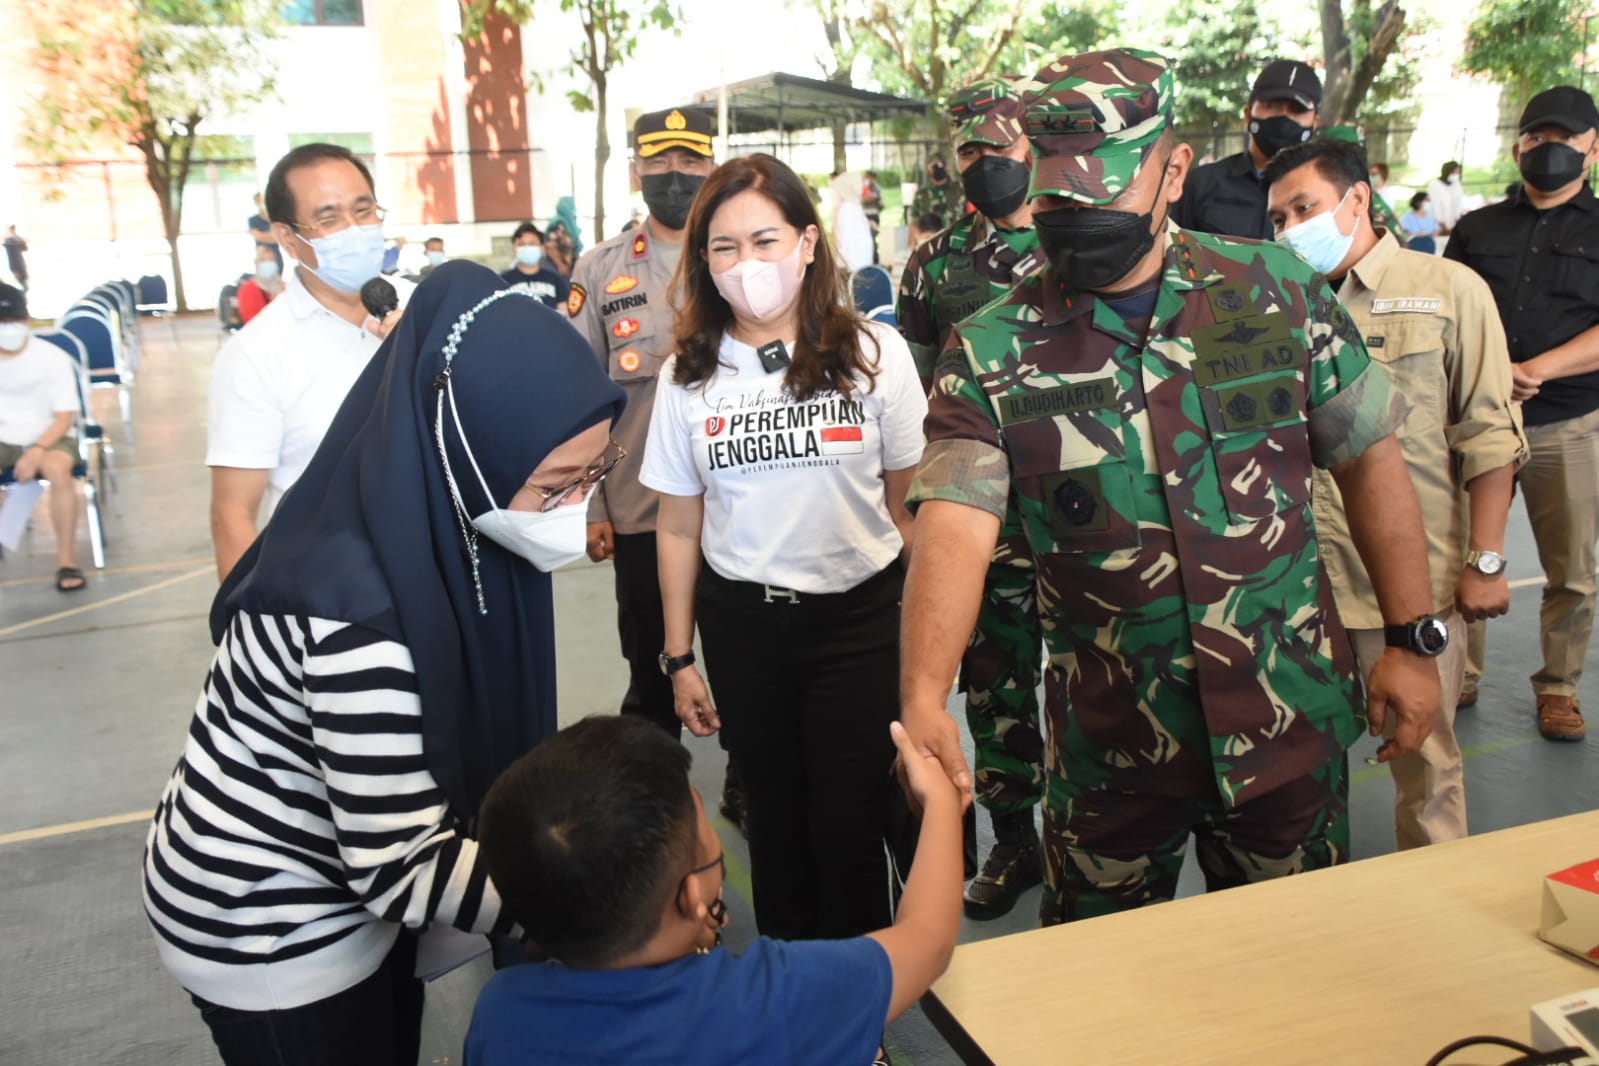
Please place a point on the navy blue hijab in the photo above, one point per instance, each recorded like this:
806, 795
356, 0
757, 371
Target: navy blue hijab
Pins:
368, 534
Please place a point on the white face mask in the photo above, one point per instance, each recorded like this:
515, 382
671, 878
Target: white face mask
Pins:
547, 539
1319, 241
13, 335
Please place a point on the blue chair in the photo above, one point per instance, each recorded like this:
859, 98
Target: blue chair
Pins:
872, 290
152, 298
103, 348
94, 451
122, 296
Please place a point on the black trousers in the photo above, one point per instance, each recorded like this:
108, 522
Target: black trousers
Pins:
643, 632
806, 688
378, 1022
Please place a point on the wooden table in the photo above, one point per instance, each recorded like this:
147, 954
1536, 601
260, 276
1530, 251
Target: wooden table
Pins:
1381, 961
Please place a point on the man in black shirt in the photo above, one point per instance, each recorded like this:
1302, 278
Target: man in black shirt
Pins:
1539, 252
1227, 196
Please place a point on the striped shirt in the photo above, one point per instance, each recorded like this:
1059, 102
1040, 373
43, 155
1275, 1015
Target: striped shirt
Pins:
302, 828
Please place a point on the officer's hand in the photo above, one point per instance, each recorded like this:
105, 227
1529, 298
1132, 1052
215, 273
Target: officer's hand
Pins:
692, 701
923, 777
1480, 595
1524, 381
602, 541
1402, 701
933, 732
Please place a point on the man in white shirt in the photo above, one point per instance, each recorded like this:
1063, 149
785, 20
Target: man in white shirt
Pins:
278, 382
38, 402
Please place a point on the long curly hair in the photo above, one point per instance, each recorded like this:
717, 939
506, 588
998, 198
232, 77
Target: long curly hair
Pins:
827, 354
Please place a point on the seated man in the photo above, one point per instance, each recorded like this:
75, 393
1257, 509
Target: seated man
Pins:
38, 402
601, 851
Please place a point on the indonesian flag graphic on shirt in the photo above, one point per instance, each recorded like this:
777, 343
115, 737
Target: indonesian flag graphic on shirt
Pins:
842, 440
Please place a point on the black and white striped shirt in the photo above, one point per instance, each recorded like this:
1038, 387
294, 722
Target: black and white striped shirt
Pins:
302, 827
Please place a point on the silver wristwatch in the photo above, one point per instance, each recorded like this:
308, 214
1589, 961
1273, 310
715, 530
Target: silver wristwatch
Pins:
1485, 562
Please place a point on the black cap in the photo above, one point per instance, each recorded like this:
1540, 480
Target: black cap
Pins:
657, 131
1288, 79
13, 305
1565, 105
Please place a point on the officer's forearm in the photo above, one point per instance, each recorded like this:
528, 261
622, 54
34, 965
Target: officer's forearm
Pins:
943, 589
1385, 523
1579, 355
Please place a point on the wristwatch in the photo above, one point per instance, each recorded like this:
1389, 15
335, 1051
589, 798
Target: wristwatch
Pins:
671, 664
1485, 562
1427, 636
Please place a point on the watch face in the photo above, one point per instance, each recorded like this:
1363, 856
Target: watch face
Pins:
1432, 636
1489, 563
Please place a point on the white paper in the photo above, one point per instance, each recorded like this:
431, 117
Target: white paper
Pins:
444, 948
16, 510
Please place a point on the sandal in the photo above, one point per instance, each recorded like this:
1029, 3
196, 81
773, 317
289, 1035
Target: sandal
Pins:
66, 576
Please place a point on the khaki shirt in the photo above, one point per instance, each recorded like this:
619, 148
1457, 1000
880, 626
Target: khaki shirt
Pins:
1432, 325
618, 301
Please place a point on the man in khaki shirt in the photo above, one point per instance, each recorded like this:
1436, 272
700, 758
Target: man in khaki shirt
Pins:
1434, 327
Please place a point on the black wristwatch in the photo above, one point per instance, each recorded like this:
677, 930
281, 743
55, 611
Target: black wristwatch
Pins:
1427, 636
671, 664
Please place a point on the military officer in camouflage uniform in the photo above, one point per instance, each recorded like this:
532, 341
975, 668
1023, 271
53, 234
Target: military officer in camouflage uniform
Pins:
939, 194
1157, 399
949, 277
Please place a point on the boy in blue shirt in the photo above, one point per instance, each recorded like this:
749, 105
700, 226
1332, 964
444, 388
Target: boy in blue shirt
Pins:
600, 849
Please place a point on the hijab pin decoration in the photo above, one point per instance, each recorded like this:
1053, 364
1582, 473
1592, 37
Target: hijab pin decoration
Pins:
441, 384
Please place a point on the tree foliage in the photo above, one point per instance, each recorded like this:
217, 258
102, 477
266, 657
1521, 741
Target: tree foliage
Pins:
147, 73
1216, 59
924, 48
1357, 44
1526, 46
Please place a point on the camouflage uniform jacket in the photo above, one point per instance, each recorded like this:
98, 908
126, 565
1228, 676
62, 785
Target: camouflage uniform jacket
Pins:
954, 273
1165, 487
947, 200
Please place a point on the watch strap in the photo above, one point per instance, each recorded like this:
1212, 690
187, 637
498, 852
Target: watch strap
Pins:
671, 664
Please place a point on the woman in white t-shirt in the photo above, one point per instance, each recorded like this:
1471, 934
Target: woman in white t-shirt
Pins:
785, 434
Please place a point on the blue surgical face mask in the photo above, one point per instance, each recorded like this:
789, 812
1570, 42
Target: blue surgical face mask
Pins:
1319, 241
529, 254
267, 269
349, 258
435, 258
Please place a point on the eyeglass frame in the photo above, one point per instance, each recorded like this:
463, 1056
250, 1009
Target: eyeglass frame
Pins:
553, 498
376, 214
718, 907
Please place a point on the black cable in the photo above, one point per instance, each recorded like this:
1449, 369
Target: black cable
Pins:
1530, 1056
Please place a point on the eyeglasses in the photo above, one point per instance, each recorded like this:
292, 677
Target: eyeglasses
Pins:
718, 907
333, 221
595, 474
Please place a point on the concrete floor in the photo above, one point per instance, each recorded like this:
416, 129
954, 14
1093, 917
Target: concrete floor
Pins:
99, 687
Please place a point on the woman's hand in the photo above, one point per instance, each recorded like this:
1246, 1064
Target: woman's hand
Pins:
693, 702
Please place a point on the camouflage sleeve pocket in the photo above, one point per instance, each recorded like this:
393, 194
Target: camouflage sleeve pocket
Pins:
1073, 496
1261, 444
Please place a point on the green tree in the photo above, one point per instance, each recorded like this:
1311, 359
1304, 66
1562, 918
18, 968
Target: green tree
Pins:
1216, 59
1357, 44
924, 48
1526, 45
611, 32
147, 73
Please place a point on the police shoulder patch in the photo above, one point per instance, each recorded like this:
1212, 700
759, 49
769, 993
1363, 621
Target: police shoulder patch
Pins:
576, 296
641, 244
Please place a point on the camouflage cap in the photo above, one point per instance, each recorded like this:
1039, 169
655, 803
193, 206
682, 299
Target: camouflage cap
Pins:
1347, 134
988, 111
1093, 120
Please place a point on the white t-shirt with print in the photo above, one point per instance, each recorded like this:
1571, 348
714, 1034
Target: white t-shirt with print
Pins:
36, 384
794, 494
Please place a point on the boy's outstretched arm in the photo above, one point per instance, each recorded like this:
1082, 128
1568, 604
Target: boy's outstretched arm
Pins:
922, 939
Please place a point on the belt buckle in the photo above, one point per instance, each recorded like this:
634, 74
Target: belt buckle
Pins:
773, 594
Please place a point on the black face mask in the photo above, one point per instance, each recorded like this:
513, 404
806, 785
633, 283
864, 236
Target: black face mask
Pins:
996, 185
1274, 134
1552, 166
1092, 248
937, 173
670, 195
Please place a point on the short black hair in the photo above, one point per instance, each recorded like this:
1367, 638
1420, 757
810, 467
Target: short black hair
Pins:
433, 240
587, 836
1340, 162
930, 222
280, 205
524, 229
1417, 200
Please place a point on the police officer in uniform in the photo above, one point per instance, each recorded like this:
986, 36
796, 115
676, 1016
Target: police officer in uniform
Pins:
1156, 399
1227, 196
949, 277
618, 300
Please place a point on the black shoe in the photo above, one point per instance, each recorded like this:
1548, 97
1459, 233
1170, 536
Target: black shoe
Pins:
733, 806
1011, 869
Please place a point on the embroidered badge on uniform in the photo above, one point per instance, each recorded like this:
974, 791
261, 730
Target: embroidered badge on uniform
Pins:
575, 297
621, 283
625, 328
629, 360
640, 246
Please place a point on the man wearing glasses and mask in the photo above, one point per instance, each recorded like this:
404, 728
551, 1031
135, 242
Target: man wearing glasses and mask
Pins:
1154, 402
277, 383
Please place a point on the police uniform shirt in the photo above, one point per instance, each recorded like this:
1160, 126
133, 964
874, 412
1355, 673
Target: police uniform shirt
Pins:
793, 489
618, 301
1226, 197
1543, 268
1432, 326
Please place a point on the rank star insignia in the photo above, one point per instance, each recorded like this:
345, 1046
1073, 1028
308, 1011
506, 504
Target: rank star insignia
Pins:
1242, 408
640, 245
1076, 502
1280, 401
620, 284
626, 328
1243, 333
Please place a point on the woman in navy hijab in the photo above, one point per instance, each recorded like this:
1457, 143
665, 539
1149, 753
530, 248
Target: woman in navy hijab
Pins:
384, 649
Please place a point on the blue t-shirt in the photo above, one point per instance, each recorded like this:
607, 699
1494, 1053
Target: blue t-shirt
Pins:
546, 283
803, 1002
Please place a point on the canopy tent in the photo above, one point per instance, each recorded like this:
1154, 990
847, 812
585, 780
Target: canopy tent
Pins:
787, 103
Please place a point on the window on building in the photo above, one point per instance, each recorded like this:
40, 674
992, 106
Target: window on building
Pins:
322, 12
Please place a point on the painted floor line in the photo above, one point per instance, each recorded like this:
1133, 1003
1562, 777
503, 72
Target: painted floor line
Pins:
1527, 582
1489, 747
45, 832
47, 579
111, 628
123, 597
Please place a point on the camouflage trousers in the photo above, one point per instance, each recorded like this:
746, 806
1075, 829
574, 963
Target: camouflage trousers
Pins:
1000, 674
1111, 851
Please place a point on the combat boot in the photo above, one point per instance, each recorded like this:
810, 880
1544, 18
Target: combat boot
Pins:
1013, 866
